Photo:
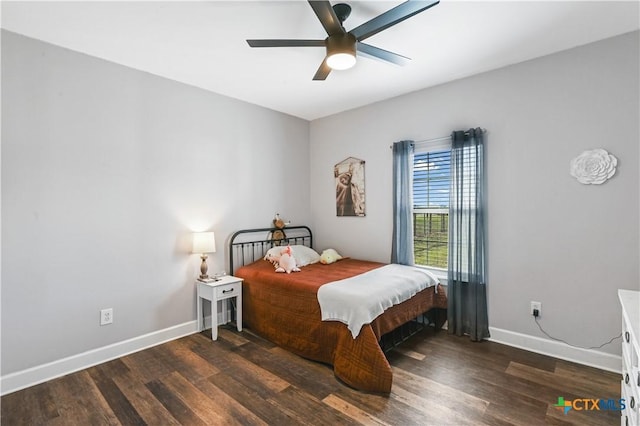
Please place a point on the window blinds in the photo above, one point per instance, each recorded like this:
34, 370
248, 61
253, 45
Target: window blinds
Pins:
431, 179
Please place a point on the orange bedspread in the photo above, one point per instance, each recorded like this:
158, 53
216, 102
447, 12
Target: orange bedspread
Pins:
284, 309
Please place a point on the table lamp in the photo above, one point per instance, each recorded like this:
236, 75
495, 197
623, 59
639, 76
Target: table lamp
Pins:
203, 243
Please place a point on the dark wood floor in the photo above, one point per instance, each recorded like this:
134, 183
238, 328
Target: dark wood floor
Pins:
242, 379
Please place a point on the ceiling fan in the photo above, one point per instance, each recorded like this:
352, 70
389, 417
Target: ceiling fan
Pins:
342, 45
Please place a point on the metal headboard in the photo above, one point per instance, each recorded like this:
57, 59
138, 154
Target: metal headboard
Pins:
244, 248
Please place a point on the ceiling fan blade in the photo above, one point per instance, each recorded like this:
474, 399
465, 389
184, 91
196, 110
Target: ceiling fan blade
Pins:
323, 71
327, 17
385, 55
391, 17
285, 43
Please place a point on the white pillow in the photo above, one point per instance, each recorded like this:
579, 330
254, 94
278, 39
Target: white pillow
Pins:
272, 252
304, 255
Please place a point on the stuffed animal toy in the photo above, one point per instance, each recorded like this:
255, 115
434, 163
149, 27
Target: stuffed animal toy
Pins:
286, 262
329, 256
278, 234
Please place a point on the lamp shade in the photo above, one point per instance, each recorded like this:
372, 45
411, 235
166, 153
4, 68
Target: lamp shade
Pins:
341, 61
204, 242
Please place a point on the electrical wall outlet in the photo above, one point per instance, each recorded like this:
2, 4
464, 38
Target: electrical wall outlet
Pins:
106, 316
536, 306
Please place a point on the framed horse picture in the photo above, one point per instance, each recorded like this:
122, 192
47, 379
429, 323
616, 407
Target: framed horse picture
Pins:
350, 195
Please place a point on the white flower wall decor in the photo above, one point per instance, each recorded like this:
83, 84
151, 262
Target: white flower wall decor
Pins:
593, 167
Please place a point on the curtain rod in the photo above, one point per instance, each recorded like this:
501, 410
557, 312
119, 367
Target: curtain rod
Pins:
442, 138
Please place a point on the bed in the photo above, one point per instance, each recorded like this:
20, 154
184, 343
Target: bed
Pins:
284, 309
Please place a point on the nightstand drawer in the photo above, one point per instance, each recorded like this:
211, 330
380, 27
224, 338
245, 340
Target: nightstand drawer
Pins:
227, 290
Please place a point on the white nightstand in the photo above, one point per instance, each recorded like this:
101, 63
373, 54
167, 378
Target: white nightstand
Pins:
226, 288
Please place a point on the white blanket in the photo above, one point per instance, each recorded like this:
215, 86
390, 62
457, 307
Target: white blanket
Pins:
359, 300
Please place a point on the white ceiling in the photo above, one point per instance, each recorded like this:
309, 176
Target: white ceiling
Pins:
203, 43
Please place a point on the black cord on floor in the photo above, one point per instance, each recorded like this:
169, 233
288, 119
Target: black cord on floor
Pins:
567, 343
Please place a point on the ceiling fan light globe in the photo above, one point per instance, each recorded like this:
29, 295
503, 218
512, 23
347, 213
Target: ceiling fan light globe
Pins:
341, 61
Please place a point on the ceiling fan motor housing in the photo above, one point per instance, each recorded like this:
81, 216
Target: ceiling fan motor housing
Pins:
341, 43
341, 51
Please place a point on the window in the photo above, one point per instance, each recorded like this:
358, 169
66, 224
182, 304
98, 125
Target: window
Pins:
431, 181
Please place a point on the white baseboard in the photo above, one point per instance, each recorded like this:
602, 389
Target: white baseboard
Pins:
42, 373
221, 320
589, 357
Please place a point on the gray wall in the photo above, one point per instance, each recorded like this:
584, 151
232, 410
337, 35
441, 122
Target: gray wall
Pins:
550, 239
105, 172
